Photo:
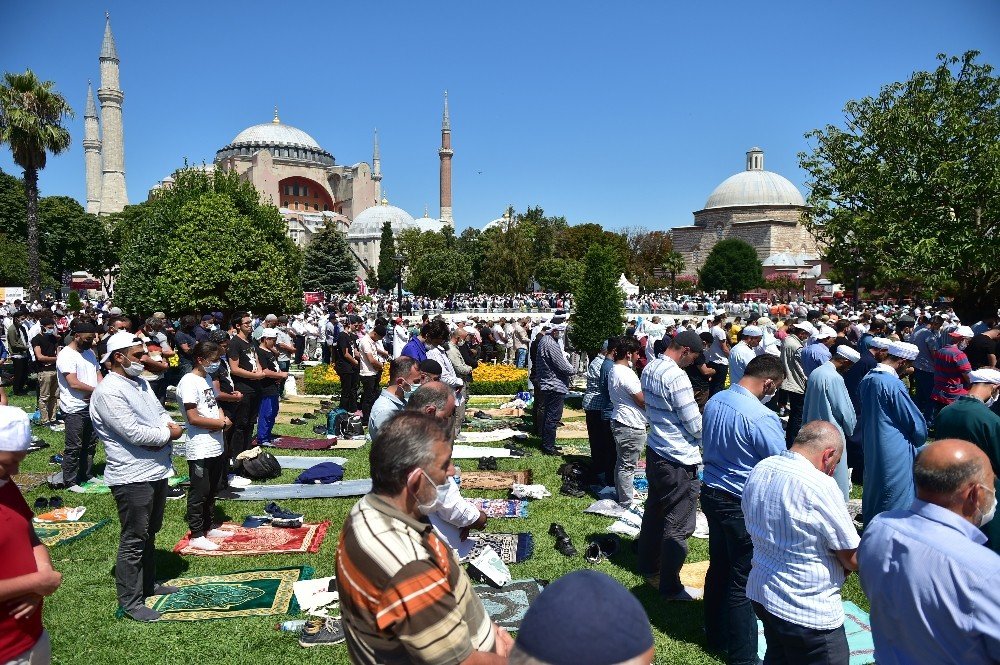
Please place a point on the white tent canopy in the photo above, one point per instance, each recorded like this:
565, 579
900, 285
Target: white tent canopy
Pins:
628, 287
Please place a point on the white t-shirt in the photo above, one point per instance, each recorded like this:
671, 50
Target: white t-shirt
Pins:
201, 443
622, 384
84, 365
368, 345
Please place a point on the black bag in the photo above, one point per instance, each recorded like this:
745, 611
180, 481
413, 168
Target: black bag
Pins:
262, 467
354, 426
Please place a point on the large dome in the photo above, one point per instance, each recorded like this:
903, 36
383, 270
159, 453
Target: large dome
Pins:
283, 141
275, 133
755, 187
368, 223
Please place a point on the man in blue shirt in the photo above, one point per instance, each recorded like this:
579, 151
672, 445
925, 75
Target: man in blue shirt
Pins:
934, 589
739, 431
818, 351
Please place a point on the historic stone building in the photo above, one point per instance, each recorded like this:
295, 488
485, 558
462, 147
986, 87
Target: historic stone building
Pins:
104, 151
758, 206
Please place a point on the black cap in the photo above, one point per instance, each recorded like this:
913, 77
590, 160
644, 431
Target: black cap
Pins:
688, 338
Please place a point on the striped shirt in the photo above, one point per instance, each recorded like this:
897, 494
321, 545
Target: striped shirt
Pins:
403, 596
593, 400
674, 418
951, 368
797, 519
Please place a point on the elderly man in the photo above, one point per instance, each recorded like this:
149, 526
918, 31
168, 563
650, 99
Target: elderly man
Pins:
892, 430
804, 544
969, 418
739, 431
743, 352
27, 574
553, 373
403, 595
794, 384
827, 399
672, 457
818, 351
934, 590
136, 433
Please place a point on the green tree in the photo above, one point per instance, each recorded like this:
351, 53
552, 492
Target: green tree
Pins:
31, 117
732, 266
13, 207
208, 242
560, 275
508, 258
909, 187
387, 259
73, 303
598, 310
674, 264
471, 244
328, 264
14, 265
71, 239
435, 264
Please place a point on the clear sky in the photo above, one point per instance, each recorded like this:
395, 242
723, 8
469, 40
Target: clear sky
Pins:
619, 113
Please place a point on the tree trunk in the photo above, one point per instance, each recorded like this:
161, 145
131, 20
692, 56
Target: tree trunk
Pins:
34, 265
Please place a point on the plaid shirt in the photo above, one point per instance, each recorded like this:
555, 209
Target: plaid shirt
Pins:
951, 368
674, 418
593, 400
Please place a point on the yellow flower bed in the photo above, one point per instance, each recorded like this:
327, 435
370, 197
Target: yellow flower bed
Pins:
486, 380
499, 373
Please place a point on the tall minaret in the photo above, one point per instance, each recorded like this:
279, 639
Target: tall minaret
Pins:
113, 194
92, 153
377, 170
446, 153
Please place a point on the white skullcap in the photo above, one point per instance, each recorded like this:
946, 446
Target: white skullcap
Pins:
847, 353
903, 350
120, 341
963, 331
764, 321
15, 430
753, 331
985, 375
879, 342
824, 332
805, 325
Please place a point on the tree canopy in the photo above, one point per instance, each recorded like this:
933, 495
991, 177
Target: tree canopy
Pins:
732, 266
433, 264
909, 188
387, 259
599, 302
328, 264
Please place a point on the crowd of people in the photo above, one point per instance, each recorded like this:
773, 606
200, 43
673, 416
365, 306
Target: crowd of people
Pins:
761, 423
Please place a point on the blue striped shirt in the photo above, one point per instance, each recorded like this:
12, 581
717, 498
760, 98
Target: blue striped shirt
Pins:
674, 419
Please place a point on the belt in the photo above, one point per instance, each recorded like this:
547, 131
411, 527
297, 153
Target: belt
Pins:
722, 494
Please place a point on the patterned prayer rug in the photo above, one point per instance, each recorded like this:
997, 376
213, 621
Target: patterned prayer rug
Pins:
53, 534
29, 481
858, 627
510, 547
507, 605
98, 486
693, 574
262, 540
299, 443
250, 593
572, 430
574, 450
502, 507
494, 480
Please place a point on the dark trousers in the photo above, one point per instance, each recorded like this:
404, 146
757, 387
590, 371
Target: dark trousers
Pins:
20, 379
140, 509
538, 411
795, 403
267, 413
717, 381
349, 390
159, 387
81, 444
327, 353
369, 393
730, 624
551, 415
300, 348
792, 644
206, 479
602, 447
244, 418
668, 520
925, 386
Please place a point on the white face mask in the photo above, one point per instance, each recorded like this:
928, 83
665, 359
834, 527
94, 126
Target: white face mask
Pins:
992, 400
767, 397
439, 497
133, 369
987, 517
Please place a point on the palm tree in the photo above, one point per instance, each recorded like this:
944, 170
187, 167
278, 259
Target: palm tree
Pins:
31, 115
674, 263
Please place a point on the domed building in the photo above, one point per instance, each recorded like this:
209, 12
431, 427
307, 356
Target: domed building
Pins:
760, 207
364, 237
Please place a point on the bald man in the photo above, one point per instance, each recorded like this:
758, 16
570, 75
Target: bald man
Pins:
934, 589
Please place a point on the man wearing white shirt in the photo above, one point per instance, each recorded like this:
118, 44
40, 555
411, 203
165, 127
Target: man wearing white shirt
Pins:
744, 351
400, 337
804, 546
717, 355
77, 374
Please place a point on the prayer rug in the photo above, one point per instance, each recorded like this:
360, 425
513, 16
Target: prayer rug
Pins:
459, 451
490, 437
505, 413
510, 547
577, 451
494, 480
344, 488
858, 627
693, 574
29, 481
245, 594
53, 534
492, 424
292, 462
573, 430
299, 443
97, 485
508, 604
502, 507
262, 540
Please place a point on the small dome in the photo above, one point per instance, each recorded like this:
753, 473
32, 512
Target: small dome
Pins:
755, 187
787, 260
502, 223
368, 223
426, 223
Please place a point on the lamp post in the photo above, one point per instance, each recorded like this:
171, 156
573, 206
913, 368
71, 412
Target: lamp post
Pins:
398, 258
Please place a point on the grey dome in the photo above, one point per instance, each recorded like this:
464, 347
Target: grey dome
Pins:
755, 187
430, 224
275, 133
787, 260
282, 141
368, 223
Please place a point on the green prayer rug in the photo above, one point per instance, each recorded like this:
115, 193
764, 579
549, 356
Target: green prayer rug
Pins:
251, 593
53, 534
97, 485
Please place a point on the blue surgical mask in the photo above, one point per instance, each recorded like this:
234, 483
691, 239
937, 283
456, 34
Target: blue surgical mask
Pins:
213, 367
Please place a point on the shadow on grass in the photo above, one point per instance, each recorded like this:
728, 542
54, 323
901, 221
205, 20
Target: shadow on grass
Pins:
170, 565
681, 621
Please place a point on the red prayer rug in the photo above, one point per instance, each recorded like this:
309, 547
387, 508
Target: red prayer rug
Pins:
261, 540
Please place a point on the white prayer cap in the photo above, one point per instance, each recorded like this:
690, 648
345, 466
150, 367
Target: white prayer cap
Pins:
753, 331
903, 350
825, 332
962, 331
120, 341
764, 321
805, 325
847, 353
985, 375
668, 321
879, 342
15, 430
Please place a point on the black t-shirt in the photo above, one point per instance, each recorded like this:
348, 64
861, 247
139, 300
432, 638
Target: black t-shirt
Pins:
184, 338
347, 341
245, 354
268, 387
49, 347
698, 380
979, 348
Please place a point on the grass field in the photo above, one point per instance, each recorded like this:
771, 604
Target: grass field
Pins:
80, 617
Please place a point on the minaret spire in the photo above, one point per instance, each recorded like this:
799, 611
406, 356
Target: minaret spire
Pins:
92, 153
377, 168
446, 119
446, 153
114, 196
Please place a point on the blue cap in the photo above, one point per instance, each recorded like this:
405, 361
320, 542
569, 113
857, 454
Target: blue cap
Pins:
585, 618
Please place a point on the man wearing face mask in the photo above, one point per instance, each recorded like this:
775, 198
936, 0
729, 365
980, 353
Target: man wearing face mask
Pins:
78, 376
970, 418
46, 346
933, 588
892, 429
739, 431
403, 595
951, 368
404, 379
827, 399
743, 352
804, 546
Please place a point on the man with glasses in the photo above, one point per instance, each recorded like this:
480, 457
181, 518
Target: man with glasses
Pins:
78, 375
247, 372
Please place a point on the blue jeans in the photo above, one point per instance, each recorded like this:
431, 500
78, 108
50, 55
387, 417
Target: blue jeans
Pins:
792, 644
730, 624
522, 358
265, 418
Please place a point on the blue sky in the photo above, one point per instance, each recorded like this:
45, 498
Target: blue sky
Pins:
618, 113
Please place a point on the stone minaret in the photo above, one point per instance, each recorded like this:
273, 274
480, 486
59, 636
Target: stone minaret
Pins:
377, 170
446, 153
92, 153
113, 194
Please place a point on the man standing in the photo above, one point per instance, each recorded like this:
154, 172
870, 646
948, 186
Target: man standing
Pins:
521, 342
927, 339
372, 356
204, 328
794, 384
553, 374
46, 347
348, 363
892, 430
951, 368
330, 333
404, 379
718, 354
136, 432
78, 376
818, 351
804, 546
602, 447
17, 347
672, 458
246, 372
400, 337
404, 597
934, 590
269, 386
739, 431
827, 399
744, 351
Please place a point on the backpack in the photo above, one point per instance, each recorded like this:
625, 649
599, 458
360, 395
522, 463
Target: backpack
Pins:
354, 427
336, 422
262, 466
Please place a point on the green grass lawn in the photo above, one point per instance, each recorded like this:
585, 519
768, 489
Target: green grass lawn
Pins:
81, 615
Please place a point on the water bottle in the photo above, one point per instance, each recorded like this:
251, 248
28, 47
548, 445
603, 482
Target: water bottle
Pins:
458, 476
294, 626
